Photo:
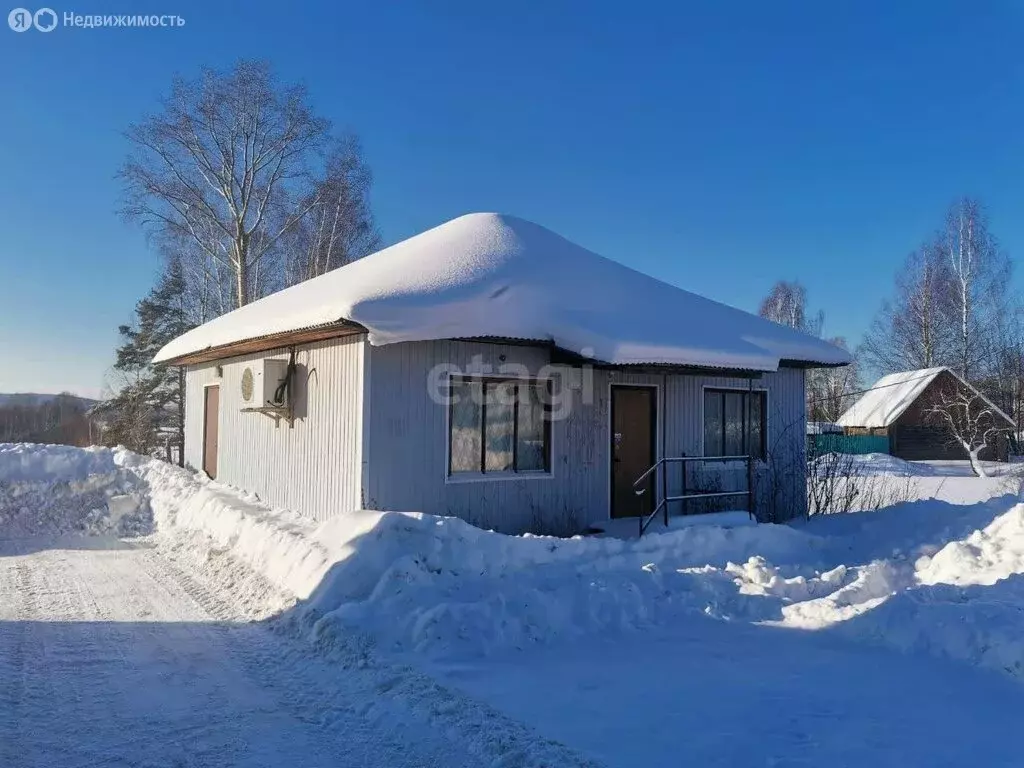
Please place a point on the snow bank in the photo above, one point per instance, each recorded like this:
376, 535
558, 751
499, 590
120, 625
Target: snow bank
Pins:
487, 274
986, 556
442, 587
439, 586
928, 577
870, 464
51, 490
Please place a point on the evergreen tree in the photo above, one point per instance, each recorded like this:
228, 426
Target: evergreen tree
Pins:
151, 398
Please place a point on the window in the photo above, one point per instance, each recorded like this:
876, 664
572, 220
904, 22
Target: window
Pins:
498, 425
726, 429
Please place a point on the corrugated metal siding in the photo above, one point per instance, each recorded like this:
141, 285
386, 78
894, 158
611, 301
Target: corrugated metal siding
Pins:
406, 439
314, 468
781, 480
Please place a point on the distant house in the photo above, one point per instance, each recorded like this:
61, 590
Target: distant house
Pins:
897, 407
491, 370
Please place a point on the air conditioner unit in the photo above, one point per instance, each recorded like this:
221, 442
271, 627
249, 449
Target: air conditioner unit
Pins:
261, 383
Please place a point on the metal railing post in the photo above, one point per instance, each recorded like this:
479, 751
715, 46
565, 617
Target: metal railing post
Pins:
664, 491
645, 485
750, 487
641, 516
682, 466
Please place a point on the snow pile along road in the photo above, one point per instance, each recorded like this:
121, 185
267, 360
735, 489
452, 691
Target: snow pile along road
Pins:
52, 490
440, 586
928, 576
442, 589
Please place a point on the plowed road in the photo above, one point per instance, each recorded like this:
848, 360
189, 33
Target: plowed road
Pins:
112, 655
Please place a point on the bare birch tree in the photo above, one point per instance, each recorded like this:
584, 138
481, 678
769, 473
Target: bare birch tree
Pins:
912, 330
1003, 380
786, 304
231, 164
969, 419
339, 227
979, 274
829, 388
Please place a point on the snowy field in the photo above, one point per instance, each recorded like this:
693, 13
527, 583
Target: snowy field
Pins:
150, 617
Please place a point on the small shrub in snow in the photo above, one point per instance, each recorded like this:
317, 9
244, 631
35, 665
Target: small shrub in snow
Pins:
838, 483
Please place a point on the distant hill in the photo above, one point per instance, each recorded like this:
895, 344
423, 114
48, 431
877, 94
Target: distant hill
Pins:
34, 399
35, 418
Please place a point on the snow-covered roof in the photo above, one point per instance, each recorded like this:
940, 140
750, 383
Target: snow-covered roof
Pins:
492, 275
891, 395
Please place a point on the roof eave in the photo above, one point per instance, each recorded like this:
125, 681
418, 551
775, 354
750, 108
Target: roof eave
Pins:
808, 364
266, 343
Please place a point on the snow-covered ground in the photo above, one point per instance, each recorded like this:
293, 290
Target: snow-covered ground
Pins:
143, 651
892, 637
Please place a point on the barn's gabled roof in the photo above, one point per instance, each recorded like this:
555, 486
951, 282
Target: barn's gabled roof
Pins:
491, 275
891, 395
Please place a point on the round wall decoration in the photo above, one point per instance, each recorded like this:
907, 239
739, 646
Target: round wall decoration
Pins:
247, 384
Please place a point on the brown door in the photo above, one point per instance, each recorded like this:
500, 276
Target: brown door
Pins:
633, 452
211, 421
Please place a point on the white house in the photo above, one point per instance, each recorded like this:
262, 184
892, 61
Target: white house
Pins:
492, 370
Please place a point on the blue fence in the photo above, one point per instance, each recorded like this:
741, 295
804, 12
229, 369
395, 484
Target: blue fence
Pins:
821, 444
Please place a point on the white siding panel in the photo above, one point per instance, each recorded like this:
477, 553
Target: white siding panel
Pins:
314, 467
408, 440
781, 482
370, 435
407, 435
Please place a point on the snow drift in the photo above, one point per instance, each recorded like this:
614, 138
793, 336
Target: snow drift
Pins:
440, 586
928, 577
487, 274
913, 577
51, 490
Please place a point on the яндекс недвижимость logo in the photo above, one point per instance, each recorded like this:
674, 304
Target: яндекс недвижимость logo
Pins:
46, 20
22, 19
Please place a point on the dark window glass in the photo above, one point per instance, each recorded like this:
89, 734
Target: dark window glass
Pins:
756, 437
531, 451
713, 423
466, 422
727, 430
734, 423
498, 426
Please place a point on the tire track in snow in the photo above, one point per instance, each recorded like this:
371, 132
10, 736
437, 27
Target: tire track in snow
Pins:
13, 638
113, 654
98, 683
352, 683
314, 691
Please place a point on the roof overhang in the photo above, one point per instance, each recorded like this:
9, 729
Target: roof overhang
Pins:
559, 356
808, 365
271, 341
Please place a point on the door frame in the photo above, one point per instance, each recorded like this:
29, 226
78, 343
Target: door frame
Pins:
206, 419
656, 423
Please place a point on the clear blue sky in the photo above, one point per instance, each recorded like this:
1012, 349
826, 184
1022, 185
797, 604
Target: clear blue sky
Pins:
720, 146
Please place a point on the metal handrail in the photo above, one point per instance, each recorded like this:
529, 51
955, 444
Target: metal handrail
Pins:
662, 505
